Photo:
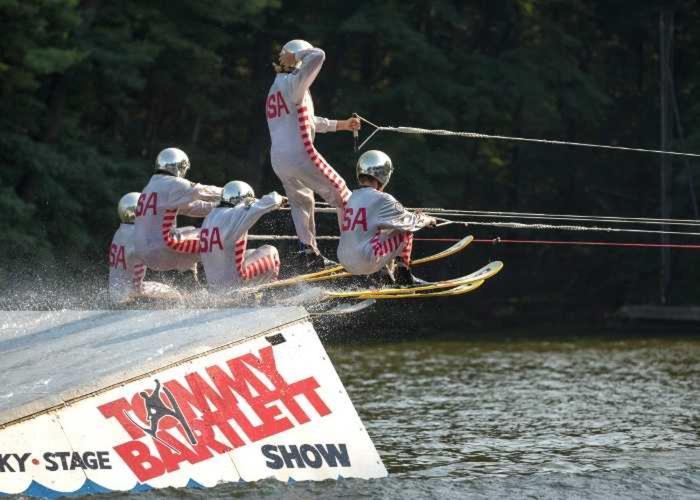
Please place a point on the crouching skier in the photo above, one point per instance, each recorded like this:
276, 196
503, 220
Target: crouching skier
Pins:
376, 230
159, 242
224, 236
126, 270
295, 160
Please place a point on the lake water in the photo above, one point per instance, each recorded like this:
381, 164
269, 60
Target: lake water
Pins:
511, 419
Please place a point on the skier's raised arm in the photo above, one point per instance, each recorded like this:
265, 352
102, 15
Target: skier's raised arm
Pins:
308, 63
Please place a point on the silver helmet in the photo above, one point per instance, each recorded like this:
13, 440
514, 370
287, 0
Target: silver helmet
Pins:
375, 164
236, 191
294, 46
173, 161
127, 207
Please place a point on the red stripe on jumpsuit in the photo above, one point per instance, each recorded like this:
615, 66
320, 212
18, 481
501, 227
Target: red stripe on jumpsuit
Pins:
137, 280
185, 246
255, 268
383, 247
318, 160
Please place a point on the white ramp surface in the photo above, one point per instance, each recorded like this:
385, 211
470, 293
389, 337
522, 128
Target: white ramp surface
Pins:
49, 357
98, 401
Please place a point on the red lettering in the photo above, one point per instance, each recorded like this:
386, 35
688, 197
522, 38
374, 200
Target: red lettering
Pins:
117, 409
281, 104
227, 385
203, 240
225, 404
350, 223
360, 219
139, 205
271, 106
175, 452
190, 401
120, 258
247, 397
207, 240
139, 459
116, 256
275, 105
111, 255
215, 239
147, 201
347, 214
151, 203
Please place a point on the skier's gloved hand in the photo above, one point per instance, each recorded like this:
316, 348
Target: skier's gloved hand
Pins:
430, 222
278, 199
351, 124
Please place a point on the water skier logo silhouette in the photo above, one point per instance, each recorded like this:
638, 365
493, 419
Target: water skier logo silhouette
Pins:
156, 410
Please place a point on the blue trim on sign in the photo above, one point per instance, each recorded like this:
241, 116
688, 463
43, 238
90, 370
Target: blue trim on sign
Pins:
36, 489
194, 484
141, 488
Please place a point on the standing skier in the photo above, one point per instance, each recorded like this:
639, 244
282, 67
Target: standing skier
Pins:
159, 242
224, 235
295, 160
376, 230
126, 270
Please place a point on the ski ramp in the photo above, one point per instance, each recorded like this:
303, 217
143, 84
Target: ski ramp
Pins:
121, 400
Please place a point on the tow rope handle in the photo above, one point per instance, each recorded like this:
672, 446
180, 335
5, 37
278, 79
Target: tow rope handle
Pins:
355, 134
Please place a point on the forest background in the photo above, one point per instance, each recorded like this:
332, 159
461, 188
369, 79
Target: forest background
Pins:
91, 90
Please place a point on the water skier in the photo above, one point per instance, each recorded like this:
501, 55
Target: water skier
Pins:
159, 242
224, 235
295, 160
376, 230
126, 270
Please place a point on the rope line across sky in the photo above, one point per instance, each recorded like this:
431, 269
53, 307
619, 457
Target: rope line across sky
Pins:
479, 135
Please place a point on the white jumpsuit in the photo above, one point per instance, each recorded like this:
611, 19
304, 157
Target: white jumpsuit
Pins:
127, 271
292, 124
375, 229
223, 239
159, 242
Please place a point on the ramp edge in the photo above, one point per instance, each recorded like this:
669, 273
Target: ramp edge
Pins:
67, 398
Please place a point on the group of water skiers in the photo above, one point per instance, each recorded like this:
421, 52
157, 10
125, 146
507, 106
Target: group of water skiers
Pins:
376, 232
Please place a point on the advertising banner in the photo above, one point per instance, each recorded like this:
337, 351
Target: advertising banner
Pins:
268, 406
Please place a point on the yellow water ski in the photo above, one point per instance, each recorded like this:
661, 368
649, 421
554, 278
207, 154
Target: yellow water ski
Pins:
482, 274
488, 271
450, 292
337, 271
457, 247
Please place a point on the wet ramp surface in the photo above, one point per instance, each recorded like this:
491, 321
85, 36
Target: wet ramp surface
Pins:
49, 357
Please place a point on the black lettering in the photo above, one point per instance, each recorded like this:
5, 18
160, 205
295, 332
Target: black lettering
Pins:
291, 456
63, 455
22, 460
76, 461
315, 461
103, 460
5, 464
273, 461
332, 455
51, 464
90, 460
